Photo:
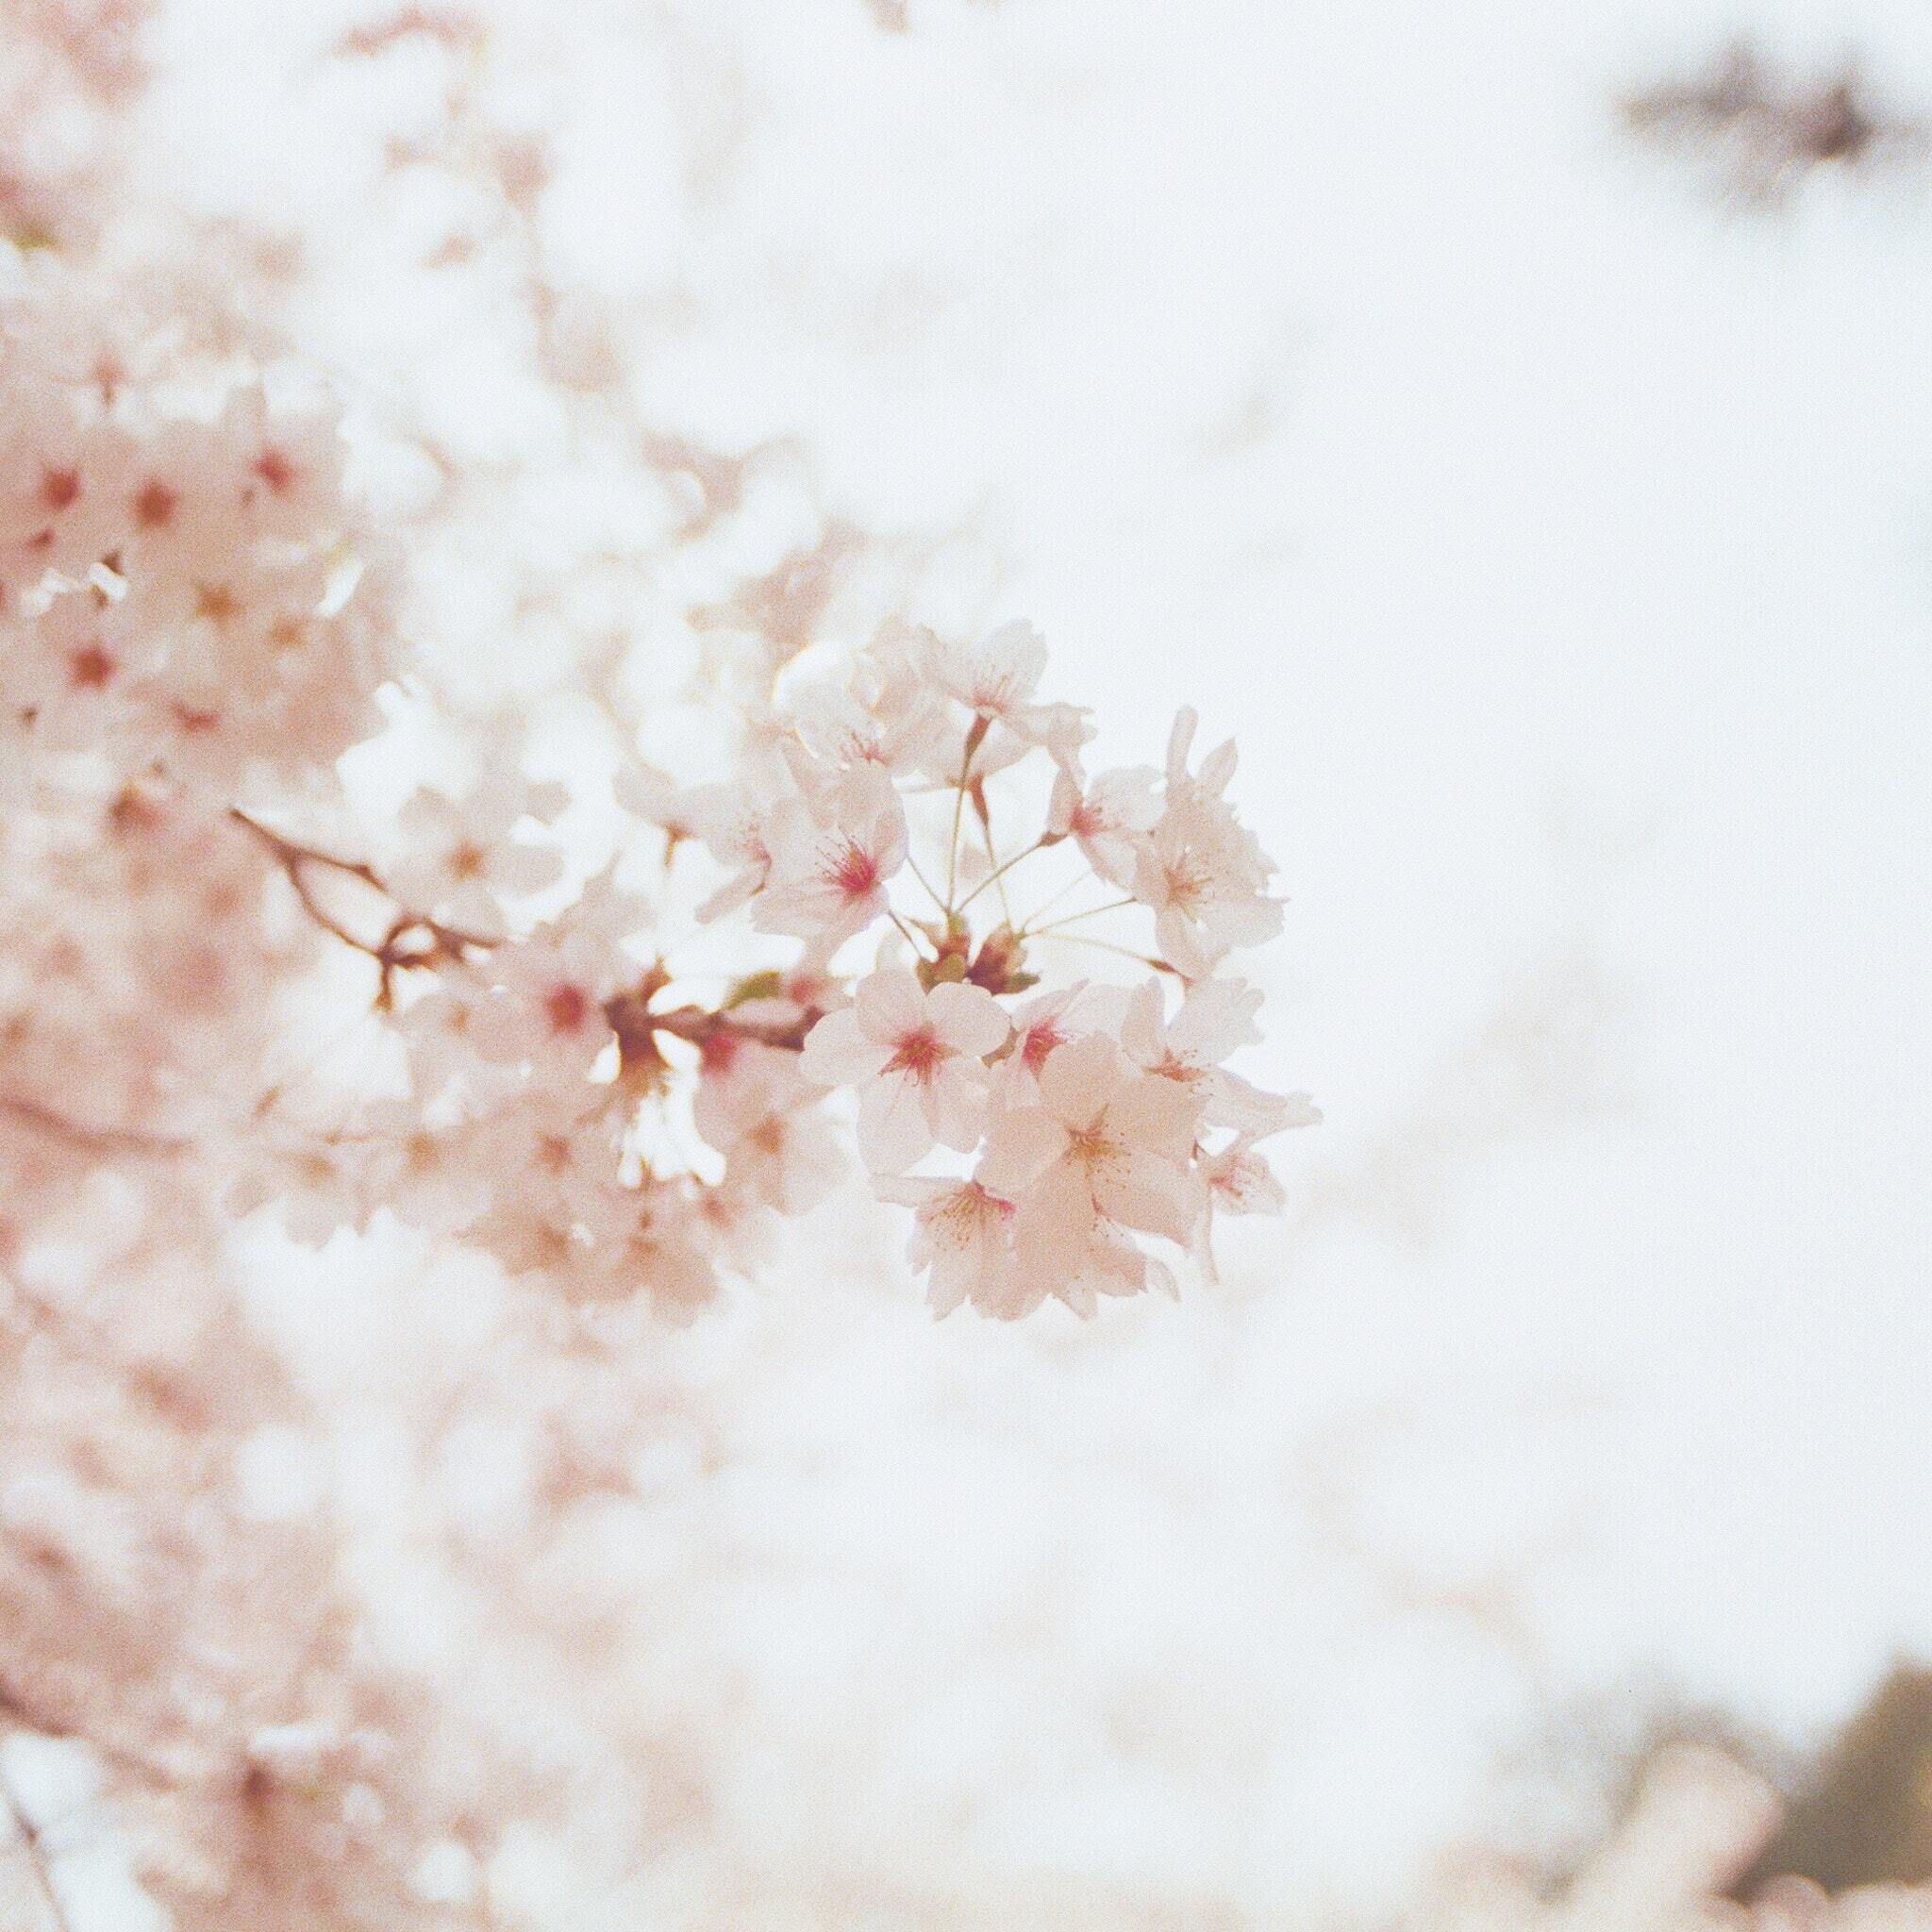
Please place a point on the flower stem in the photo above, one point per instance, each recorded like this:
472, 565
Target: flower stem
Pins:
1091, 912
998, 872
1075, 939
975, 737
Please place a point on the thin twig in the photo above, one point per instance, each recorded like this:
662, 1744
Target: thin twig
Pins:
998, 871
975, 737
906, 931
912, 865
1075, 939
1054, 898
1091, 912
35, 1855
57, 1126
389, 953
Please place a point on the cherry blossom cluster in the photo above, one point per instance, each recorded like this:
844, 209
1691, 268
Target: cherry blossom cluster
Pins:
572, 1097
1045, 1128
615, 1076
186, 588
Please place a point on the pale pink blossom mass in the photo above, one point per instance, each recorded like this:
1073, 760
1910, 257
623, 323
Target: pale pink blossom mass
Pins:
449, 815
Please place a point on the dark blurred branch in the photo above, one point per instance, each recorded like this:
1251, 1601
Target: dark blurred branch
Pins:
1764, 131
1864, 1816
105, 1140
35, 1855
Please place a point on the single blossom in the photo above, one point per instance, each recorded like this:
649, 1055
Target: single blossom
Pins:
1046, 1021
1108, 817
1215, 1018
960, 1236
668, 1250
1111, 1264
1106, 1142
894, 720
1200, 871
542, 1002
1239, 1181
756, 1107
461, 861
996, 679
832, 863
917, 1058
287, 468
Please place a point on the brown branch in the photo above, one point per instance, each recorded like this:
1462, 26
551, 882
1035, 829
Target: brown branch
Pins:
434, 943
642, 1063
698, 1025
58, 1127
629, 1014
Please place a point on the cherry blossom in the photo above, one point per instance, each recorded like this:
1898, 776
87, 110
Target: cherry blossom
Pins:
294, 954
542, 1002
961, 1234
1106, 1144
832, 861
1047, 1020
1105, 817
753, 1105
303, 990
917, 1058
461, 861
1215, 1018
1201, 872
733, 821
996, 679
895, 720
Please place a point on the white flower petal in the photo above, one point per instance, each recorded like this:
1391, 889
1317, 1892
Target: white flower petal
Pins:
838, 1053
967, 1019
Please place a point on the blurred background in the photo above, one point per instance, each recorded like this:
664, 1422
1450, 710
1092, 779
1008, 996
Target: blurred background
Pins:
1515, 422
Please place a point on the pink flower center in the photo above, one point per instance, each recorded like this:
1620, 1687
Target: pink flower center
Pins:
566, 1008
918, 1054
1187, 881
1091, 1145
468, 860
968, 1214
854, 872
1039, 1042
155, 505
90, 668
217, 603
276, 471
993, 694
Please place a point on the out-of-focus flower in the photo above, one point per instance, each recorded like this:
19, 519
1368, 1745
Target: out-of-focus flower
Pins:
1763, 133
1697, 1822
461, 861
